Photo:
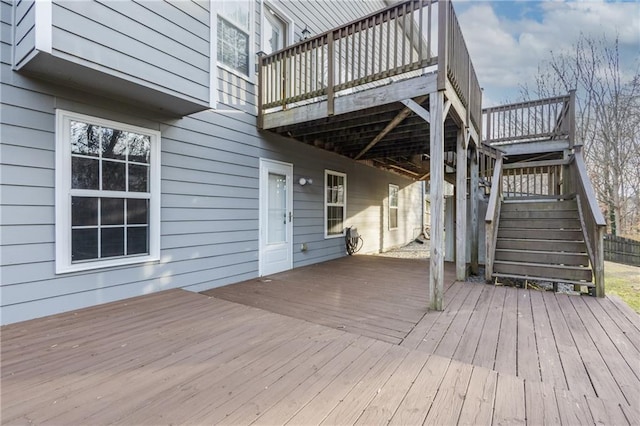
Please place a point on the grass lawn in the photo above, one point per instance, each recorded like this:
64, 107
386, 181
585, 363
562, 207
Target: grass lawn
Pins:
624, 282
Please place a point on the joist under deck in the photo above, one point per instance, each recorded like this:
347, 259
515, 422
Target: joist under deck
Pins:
494, 356
372, 125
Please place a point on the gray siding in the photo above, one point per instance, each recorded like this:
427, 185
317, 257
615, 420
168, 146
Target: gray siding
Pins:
164, 45
209, 201
24, 29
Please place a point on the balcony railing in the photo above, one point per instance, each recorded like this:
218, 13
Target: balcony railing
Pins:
545, 119
398, 40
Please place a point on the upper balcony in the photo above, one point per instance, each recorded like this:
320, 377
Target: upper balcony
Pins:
531, 128
355, 89
154, 54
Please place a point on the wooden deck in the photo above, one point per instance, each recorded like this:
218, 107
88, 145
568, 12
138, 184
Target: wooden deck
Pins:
494, 356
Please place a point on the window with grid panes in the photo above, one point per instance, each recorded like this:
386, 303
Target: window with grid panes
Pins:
335, 203
393, 206
107, 188
233, 32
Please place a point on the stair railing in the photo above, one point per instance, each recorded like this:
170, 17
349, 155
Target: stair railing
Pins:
591, 218
534, 179
492, 217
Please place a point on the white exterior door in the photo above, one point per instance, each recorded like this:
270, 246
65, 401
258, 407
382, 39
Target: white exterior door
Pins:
276, 217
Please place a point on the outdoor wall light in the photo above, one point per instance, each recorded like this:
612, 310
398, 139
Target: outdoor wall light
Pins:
306, 33
259, 54
305, 181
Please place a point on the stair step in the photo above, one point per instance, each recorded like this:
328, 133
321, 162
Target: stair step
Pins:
549, 272
543, 234
521, 277
540, 223
516, 206
539, 214
541, 245
535, 197
543, 257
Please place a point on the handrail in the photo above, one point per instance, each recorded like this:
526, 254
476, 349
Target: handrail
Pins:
380, 45
487, 156
397, 40
550, 118
455, 63
594, 225
492, 218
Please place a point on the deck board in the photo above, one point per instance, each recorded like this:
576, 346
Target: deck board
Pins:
181, 357
507, 351
527, 352
478, 403
550, 365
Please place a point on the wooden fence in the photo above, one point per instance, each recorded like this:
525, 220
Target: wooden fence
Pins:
621, 250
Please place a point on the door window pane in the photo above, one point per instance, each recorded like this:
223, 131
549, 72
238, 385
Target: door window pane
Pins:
273, 32
277, 207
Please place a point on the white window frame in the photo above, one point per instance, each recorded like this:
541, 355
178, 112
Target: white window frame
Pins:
390, 207
251, 78
327, 204
289, 23
64, 192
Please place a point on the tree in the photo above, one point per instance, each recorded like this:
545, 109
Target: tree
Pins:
607, 122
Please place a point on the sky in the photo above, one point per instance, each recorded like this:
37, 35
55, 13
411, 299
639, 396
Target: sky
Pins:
508, 39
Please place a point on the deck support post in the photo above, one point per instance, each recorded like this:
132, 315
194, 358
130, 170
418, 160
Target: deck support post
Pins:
474, 189
461, 205
436, 163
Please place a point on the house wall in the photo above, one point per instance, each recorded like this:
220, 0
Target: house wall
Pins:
24, 30
209, 200
157, 43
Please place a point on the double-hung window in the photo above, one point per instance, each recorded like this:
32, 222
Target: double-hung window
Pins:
335, 203
393, 206
234, 35
107, 193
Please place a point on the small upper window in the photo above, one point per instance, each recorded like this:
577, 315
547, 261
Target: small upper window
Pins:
393, 206
335, 203
107, 193
234, 29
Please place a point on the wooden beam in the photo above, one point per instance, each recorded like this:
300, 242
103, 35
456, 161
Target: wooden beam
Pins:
446, 108
392, 125
461, 206
436, 140
395, 92
474, 191
417, 108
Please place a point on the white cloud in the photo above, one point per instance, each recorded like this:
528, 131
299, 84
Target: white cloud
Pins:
506, 51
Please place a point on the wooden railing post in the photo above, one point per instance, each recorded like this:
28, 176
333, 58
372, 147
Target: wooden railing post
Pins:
443, 41
492, 218
262, 86
572, 118
474, 188
330, 77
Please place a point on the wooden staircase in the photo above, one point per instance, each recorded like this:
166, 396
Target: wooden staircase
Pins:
541, 238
